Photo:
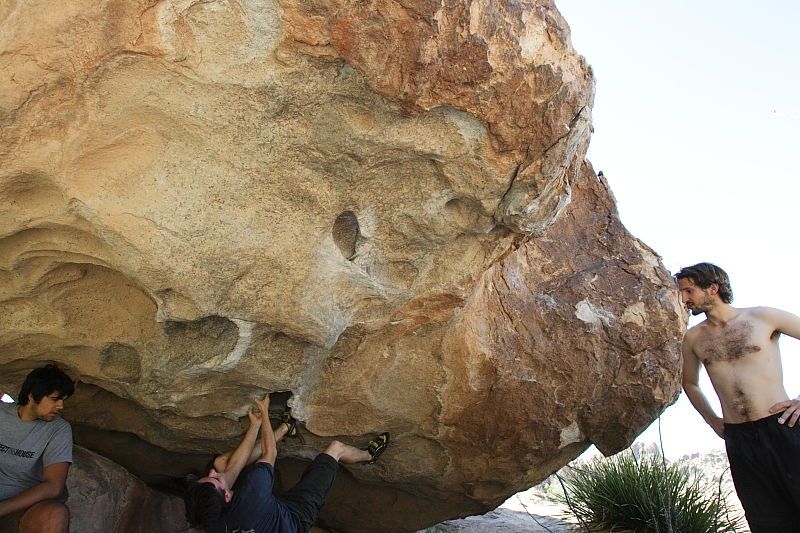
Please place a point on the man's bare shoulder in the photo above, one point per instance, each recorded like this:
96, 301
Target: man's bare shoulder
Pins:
692, 335
696, 330
777, 319
762, 312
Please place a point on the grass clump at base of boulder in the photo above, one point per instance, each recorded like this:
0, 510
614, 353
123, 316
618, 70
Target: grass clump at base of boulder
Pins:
646, 494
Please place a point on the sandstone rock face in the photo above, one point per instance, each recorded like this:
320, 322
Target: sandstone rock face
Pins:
103, 497
380, 208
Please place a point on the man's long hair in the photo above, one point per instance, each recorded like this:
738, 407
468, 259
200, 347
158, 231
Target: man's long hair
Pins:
204, 504
44, 381
704, 274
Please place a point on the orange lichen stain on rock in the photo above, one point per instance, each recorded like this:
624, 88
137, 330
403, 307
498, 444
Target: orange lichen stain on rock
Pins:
422, 311
474, 56
304, 27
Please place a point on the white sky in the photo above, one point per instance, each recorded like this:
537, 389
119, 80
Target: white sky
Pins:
696, 124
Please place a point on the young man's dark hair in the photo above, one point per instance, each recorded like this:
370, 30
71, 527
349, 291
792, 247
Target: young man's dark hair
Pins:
44, 381
203, 505
704, 275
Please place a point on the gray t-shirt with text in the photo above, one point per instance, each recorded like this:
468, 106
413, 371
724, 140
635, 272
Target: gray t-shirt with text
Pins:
27, 447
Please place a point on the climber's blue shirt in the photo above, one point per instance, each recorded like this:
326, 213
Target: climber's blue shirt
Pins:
253, 508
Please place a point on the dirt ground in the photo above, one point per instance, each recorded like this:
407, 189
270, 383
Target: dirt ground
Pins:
522, 513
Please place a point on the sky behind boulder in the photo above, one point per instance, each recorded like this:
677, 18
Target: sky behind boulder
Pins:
697, 125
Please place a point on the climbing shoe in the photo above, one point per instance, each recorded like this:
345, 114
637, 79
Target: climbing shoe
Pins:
291, 423
378, 445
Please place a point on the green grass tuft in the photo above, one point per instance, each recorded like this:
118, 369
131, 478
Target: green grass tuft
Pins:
647, 495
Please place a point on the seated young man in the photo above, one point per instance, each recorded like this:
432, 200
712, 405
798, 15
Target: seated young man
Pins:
35, 454
239, 496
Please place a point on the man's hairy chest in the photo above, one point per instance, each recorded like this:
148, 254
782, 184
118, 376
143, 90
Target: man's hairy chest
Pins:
728, 344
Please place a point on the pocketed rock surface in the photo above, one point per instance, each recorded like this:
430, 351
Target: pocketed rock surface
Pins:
380, 207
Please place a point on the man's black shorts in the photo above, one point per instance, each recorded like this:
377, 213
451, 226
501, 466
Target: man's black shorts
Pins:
306, 499
765, 466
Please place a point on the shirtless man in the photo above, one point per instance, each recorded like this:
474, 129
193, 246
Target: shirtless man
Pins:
739, 349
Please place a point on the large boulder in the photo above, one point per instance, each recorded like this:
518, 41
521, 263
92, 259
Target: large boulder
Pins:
379, 211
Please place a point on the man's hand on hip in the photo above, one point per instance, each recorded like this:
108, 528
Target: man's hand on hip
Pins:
718, 425
791, 411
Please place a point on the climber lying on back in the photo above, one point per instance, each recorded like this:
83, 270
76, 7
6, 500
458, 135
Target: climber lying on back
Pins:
237, 492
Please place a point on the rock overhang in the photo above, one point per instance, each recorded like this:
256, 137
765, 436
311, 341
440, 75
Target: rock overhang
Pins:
383, 208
